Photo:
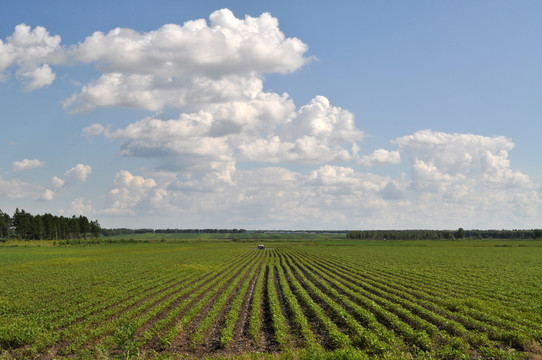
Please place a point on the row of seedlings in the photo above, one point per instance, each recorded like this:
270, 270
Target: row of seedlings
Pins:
78, 332
165, 328
150, 305
256, 315
281, 329
335, 339
375, 339
232, 317
383, 311
178, 330
197, 336
298, 318
505, 316
456, 325
142, 289
500, 329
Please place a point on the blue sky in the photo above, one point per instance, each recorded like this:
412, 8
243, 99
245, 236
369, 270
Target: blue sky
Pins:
275, 115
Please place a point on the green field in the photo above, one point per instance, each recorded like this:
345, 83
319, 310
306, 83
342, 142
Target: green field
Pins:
304, 297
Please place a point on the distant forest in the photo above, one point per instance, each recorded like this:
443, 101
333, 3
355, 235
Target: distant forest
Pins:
126, 231
444, 234
25, 226
358, 234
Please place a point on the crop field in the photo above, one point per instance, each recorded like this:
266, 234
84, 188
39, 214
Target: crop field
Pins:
478, 299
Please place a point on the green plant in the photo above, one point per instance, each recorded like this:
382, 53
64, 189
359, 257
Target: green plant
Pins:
125, 343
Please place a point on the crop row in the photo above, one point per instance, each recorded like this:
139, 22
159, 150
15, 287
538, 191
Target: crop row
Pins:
468, 322
283, 298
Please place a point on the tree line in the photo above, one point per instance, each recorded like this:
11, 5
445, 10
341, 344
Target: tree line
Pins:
444, 234
25, 226
125, 231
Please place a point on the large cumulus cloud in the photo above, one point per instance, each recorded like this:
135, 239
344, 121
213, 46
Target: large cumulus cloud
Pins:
456, 180
185, 65
130, 192
267, 129
31, 52
227, 45
212, 73
222, 150
318, 132
442, 160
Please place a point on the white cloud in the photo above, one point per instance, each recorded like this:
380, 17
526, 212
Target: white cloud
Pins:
40, 77
392, 192
131, 192
316, 133
26, 164
427, 177
80, 206
210, 155
254, 196
175, 65
381, 157
214, 72
224, 134
262, 114
152, 93
440, 158
225, 46
466, 179
181, 144
306, 150
185, 66
320, 120
72, 177
332, 175
77, 174
454, 152
93, 130
17, 189
328, 196
7, 55
31, 51
56, 183
47, 195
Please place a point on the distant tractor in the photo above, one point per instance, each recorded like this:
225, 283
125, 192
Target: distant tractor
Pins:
261, 247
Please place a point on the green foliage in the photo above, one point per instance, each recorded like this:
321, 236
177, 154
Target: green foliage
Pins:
348, 353
125, 342
280, 328
497, 353
443, 234
255, 317
322, 299
38, 227
17, 334
220, 300
226, 334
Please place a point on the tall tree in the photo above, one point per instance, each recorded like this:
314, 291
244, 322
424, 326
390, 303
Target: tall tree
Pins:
84, 226
5, 224
47, 226
22, 222
95, 228
460, 233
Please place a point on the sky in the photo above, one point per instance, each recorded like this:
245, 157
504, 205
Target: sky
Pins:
273, 115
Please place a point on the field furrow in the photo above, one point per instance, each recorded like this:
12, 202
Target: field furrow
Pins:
327, 299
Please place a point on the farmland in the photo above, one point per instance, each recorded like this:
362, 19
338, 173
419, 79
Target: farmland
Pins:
295, 299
